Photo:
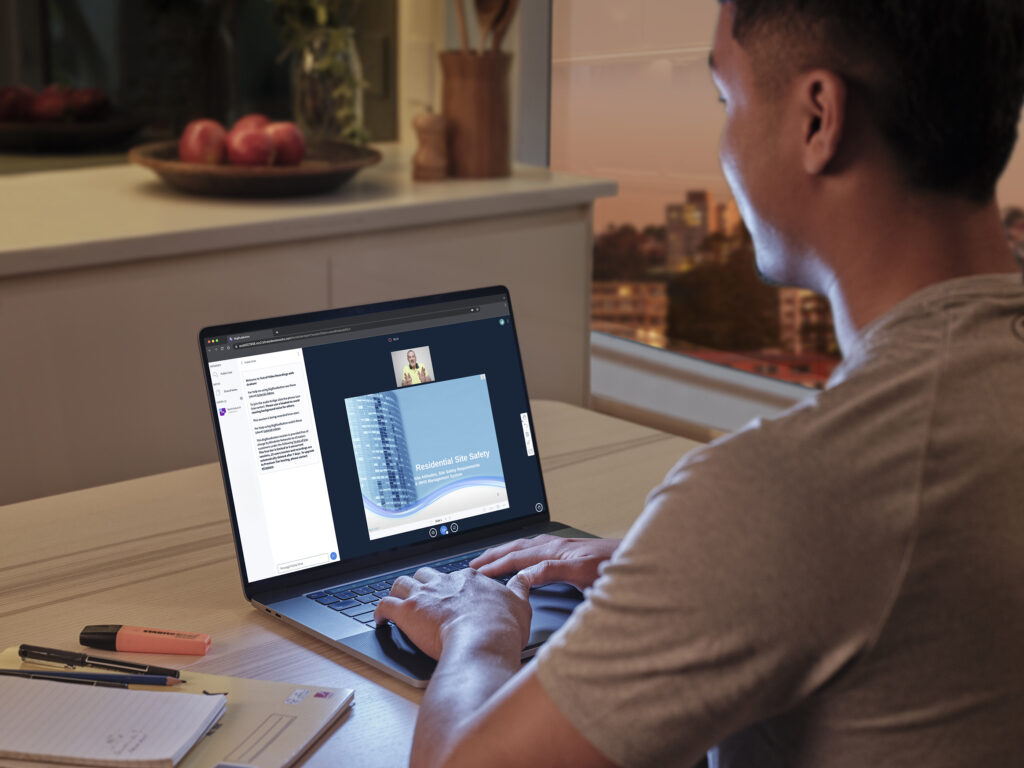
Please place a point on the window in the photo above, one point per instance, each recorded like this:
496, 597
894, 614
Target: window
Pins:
632, 100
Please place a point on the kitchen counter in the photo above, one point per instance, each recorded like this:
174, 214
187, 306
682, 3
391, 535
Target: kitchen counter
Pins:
106, 276
74, 218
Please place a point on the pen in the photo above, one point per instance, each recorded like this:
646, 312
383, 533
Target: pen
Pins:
53, 677
73, 659
100, 676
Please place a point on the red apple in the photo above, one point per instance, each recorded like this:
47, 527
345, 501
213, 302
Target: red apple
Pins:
15, 101
250, 146
203, 141
88, 103
289, 143
51, 104
254, 120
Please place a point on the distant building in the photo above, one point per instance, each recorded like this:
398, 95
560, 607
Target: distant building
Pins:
687, 226
676, 258
381, 450
789, 318
634, 309
699, 220
652, 255
805, 323
728, 218
817, 331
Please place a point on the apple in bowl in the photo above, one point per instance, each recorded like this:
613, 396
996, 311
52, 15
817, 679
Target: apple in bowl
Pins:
249, 145
252, 141
289, 143
15, 102
50, 104
252, 120
203, 141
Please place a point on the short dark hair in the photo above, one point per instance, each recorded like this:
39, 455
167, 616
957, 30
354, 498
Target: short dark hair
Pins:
943, 79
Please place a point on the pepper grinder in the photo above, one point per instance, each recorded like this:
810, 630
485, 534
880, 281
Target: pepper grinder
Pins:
430, 163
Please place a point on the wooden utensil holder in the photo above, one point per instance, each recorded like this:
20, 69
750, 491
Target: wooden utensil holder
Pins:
475, 96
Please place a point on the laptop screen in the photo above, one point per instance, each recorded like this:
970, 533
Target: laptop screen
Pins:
347, 433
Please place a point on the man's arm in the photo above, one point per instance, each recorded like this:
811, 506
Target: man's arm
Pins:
479, 706
478, 710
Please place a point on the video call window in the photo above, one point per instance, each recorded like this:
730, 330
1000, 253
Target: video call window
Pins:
412, 366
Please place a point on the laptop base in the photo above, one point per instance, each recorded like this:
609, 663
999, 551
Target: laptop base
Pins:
388, 649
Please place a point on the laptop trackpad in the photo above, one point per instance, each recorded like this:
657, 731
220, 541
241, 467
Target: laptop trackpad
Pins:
551, 608
552, 605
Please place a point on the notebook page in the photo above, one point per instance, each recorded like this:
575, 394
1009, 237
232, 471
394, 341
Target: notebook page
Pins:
83, 725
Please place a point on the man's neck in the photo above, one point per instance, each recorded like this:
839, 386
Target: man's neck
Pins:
894, 245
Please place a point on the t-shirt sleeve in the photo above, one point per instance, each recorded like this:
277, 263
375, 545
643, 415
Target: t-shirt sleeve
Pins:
736, 594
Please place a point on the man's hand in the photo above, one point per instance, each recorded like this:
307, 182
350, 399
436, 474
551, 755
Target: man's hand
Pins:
406, 379
432, 607
546, 559
423, 374
481, 707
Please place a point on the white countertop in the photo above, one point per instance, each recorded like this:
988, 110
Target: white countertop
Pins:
77, 218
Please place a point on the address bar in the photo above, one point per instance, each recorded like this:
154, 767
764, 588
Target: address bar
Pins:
354, 326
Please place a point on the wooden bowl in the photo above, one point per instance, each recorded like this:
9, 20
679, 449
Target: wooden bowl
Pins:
25, 136
326, 167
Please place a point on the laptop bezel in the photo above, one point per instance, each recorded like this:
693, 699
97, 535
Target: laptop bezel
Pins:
348, 570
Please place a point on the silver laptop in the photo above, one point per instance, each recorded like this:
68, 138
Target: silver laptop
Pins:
360, 444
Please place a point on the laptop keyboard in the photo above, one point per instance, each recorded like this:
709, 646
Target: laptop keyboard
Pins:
359, 599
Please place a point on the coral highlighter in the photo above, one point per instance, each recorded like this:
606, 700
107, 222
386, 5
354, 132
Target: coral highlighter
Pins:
123, 637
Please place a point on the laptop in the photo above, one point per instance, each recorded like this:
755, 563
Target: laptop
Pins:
361, 444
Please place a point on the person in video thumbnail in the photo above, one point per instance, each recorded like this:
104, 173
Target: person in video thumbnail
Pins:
414, 372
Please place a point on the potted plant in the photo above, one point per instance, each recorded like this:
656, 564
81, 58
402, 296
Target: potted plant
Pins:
327, 74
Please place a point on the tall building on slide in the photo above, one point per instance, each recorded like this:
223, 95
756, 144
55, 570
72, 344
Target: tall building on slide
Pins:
381, 450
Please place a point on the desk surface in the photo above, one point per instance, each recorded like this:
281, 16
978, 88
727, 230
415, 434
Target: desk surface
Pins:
157, 551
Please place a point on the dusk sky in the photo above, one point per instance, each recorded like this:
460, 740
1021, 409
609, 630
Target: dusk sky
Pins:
632, 101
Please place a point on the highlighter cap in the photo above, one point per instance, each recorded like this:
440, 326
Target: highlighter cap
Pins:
102, 636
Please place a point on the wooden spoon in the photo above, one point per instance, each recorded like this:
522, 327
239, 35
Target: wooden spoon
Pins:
487, 13
501, 25
460, 15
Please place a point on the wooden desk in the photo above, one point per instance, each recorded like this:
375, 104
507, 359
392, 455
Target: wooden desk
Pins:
157, 551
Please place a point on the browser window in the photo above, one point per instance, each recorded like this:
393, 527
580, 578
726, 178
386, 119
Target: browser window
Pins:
349, 435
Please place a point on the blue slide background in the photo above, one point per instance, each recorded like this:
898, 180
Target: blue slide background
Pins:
441, 421
447, 419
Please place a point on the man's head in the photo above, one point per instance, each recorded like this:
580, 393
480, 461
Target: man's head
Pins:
411, 357
928, 91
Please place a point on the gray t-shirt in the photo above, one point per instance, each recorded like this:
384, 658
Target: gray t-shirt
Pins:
840, 586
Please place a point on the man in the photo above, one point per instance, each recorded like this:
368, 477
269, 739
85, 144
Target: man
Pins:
414, 373
844, 585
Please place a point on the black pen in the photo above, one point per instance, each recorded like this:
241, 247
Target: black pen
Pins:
54, 678
74, 659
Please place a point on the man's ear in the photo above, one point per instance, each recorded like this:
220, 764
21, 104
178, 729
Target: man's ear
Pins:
822, 97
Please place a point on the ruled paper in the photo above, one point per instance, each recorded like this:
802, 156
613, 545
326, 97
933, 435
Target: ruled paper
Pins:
83, 725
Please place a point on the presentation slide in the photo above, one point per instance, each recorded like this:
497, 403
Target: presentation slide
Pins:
426, 455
